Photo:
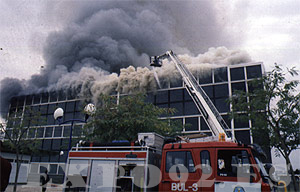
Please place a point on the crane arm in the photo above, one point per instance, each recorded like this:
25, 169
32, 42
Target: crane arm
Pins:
211, 115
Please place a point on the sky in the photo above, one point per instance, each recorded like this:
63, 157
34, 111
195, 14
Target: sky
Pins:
268, 31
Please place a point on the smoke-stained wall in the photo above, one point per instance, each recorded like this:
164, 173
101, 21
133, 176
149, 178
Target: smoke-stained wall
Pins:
101, 39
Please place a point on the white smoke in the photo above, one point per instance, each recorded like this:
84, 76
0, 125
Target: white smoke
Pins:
92, 83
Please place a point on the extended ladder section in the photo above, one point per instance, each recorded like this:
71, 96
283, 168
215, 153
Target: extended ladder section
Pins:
211, 115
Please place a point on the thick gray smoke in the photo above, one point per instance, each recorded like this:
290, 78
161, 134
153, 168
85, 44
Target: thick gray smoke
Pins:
102, 37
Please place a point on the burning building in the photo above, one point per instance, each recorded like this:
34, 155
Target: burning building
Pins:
218, 82
104, 49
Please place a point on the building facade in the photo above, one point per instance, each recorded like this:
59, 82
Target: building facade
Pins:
220, 84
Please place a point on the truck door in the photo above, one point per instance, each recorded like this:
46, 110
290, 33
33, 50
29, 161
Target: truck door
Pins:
179, 172
207, 170
234, 171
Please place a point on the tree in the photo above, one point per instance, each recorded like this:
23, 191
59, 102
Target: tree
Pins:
124, 119
273, 105
15, 131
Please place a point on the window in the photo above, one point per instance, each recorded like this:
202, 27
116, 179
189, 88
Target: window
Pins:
254, 71
187, 96
209, 91
69, 116
241, 121
222, 105
57, 131
221, 91
45, 97
53, 96
28, 100
61, 96
31, 133
162, 97
35, 158
191, 124
65, 144
203, 124
70, 106
67, 130
220, 74
61, 105
51, 108
77, 130
45, 158
237, 73
71, 95
227, 120
176, 95
205, 162
21, 101
255, 86
13, 102
206, 78
50, 119
179, 159
178, 108
238, 87
47, 144
36, 99
40, 132
244, 136
233, 163
56, 144
190, 108
49, 131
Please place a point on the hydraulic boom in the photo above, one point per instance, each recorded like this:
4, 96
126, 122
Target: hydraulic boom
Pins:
211, 115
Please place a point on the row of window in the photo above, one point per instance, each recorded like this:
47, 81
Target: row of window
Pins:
42, 98
197, 123
50, 132
47, 109
227, 162
215, 76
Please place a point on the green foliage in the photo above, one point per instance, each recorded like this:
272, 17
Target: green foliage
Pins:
123, 120
273, 105
274, 108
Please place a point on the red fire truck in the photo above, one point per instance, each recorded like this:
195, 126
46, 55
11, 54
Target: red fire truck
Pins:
192, 163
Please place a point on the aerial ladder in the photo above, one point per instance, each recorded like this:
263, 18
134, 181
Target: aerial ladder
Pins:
212, 117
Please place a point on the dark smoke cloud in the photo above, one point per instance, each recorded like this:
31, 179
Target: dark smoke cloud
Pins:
109, 35
9, 87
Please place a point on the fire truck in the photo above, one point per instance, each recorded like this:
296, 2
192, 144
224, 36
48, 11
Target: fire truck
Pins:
185, 163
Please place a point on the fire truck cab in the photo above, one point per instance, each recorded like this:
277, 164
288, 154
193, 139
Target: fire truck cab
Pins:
210, 166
